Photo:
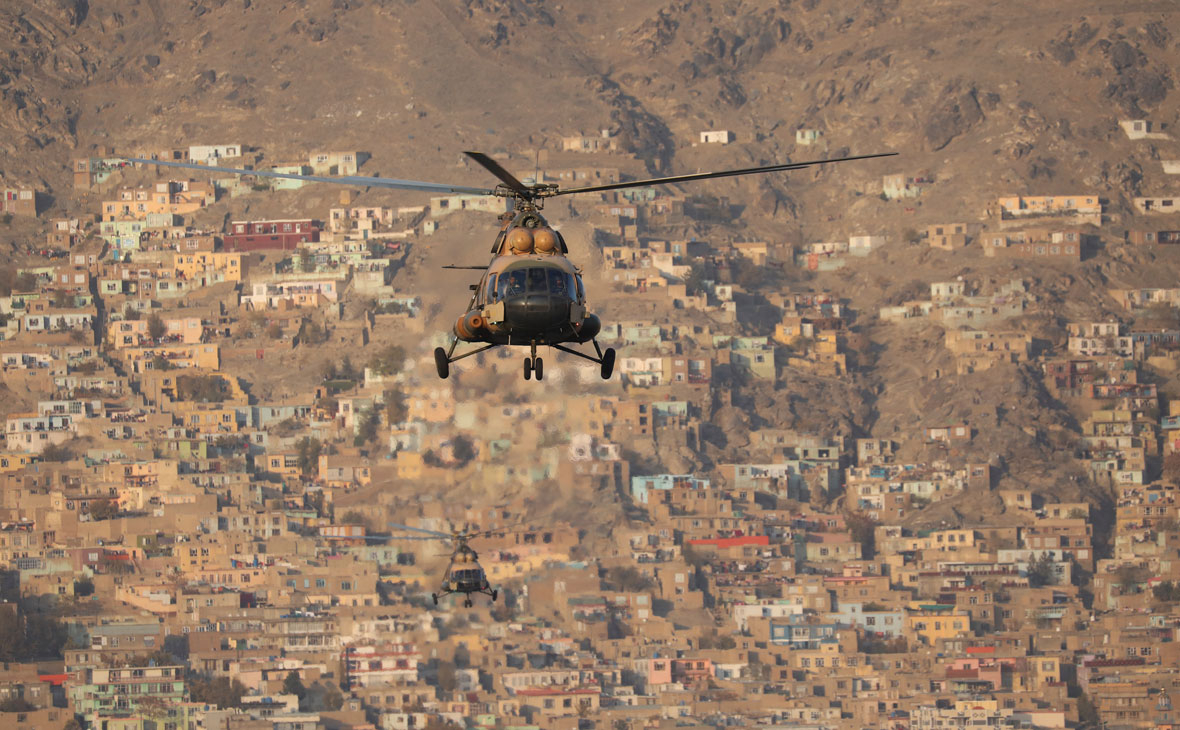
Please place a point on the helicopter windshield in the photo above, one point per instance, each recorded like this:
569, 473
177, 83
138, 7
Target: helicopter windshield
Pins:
536, 280
561, 283
511, 283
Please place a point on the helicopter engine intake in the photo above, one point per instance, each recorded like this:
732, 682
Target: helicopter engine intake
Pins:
545, 241
470, 325
520, 240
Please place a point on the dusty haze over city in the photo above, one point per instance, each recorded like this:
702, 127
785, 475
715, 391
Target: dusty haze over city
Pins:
889, 443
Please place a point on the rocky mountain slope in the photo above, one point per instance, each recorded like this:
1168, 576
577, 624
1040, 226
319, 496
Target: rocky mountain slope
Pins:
985, 99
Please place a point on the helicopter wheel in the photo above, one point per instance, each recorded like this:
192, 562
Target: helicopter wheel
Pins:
467, 603
495, 593
538, 367
434, 597
608, 363
528, 368
442, 363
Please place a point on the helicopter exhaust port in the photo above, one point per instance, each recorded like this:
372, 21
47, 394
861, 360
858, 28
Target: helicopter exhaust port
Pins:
469, 326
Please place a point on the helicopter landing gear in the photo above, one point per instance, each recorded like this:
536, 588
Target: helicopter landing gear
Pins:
608, 363
605, 359
434, 597
495, 594
534, 365
467, 602
444, 358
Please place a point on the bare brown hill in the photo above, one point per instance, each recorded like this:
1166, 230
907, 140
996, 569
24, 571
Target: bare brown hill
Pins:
984, 99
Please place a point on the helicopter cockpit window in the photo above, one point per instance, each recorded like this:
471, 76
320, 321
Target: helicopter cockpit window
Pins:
537, 281
511, 283
561, 284
488, 293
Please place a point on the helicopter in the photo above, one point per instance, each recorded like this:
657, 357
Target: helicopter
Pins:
530, 294
463, 572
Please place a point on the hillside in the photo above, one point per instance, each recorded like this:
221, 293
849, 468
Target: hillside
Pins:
984, 101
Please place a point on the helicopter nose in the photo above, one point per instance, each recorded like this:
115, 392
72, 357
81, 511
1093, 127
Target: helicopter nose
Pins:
536, 311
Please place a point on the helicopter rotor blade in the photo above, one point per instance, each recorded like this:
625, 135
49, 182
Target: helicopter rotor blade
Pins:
710, 175
380, 182
432, 533
386, 538
505, 177
486, 533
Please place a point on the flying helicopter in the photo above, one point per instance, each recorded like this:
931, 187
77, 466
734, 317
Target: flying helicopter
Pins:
530, 294
463, 572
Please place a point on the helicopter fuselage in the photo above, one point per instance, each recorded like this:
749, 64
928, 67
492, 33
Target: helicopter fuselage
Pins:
464, 575
531, 295
524, 300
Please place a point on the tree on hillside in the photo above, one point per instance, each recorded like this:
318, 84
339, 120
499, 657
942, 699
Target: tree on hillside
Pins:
312, 333
156, 327
1171, 468
627, 578
462, 449
366, 431
863, 530
308, 451
56, 452
1041, 571
293, 685
333, 700
202, 388
388, 360
12, 279
220, 691
396, 410
1130, 577
698, 276
103, 509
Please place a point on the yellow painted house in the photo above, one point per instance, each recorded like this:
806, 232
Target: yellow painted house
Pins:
205, 356
208, 417
931, 622
15, 462
193, 265
134, 332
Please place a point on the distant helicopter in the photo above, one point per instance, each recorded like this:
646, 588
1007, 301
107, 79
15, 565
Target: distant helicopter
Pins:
463, 572
530, 294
